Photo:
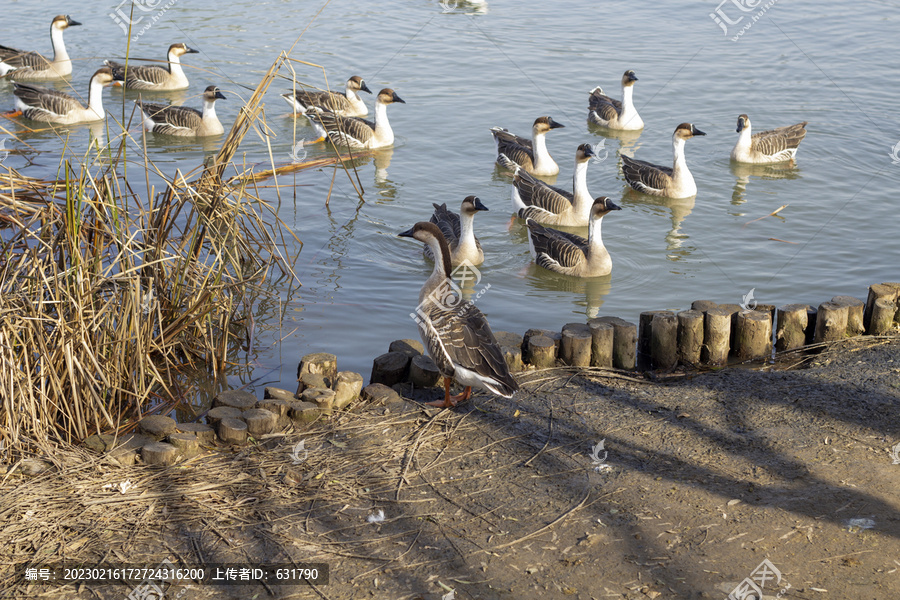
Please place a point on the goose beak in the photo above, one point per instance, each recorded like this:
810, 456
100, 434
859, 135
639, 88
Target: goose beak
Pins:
588, 151
740, 126
220, 95
364, 88
479, 205
555, 125
696, 131
610, 205
408, 233
189, 50
70, 21
632, 77
397, 98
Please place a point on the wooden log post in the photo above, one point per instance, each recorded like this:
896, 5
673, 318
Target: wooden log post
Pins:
716, 336
625, 337
235, 398
390, 368
223, 412
321, 397
232, 431
602, 339
855, 314
260, 421
323, 363
790, 332
876, 292
690, 336
160, 453
644, 359
575, 345
733, 309
347, 388
753, 335
423, 373
703, 305
831, 322
511, 347
542, 351
187, 443
526, 339
203, 432
664, 340
882, 318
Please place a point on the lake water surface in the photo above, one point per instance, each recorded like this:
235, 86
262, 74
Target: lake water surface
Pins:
465, 67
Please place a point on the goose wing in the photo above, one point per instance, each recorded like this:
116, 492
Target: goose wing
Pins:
171, 120
460, 337
330, 101
644, 176
339, 127
606, 108
556, 250
448, 222
39, 101
139, 76
19, 59
540, 198
517, 148
778, 140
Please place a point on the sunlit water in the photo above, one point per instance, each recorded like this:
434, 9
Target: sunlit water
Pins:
465, 67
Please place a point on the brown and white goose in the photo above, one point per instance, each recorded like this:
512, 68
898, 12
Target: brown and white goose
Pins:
571, 254
347, 104
612, 114
154, 77
459, 231
456, 333
656, 180
182, 120
544, 203
775, 145
52, 106
31, 66
356, 132
531, 154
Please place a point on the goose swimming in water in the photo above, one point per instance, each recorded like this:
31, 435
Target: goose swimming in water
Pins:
347, 104
182, 120
356, 132
610, 113
31, 66
532, 155
656, 180
459, 231
154, 77
544, 203
456, 334
52, 106
571, 254
775, 145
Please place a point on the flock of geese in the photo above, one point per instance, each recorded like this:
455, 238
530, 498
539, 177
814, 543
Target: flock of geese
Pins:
456, 333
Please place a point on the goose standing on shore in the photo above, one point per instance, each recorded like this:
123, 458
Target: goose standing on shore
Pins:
356, 132
544, 203
459, 231
610, 113
532, 155
775, 145
571, 254
656, 180
347, 104
31, 66
154, 77
52, 106
182, 120
456, 334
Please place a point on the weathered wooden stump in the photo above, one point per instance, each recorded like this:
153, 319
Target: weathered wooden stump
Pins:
235, 398
280, 409
204, 433
855, 314
625, 337
304, 412
410, 347
223, 412
831, 322
769, 308
390, 368
790, 332
311, 380
347, 387
379, 394
703, 305
882, 318
603, 336
542, 351
260, 421
664, 340
644, 361
187, 443
575, 345
232, 431
754, 335
273, 393
321, 397
423, 373
511, 347
526, 342
323, 363
716, 336
690, 336
733, 309
878, 291
157, 427
160, 453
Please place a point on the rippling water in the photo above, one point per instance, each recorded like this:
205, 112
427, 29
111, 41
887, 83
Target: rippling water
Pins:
465, 67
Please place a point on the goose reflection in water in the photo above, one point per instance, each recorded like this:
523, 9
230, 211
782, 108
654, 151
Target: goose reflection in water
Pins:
594, 289
679, 209
743, 172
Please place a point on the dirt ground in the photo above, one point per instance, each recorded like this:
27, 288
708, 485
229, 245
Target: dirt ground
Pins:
699, 480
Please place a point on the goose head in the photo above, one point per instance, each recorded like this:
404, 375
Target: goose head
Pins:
601, 206
629, 78
471, 205
61, 22
545, 124
743, 123
686, 131
583, 154
103, 76
357, 84
429, 233
178, 50
388, 96
212, 93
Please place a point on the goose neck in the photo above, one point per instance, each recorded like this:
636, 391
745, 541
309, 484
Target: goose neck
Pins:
59, 47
